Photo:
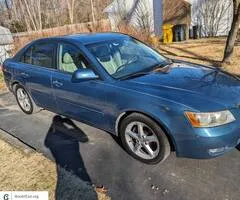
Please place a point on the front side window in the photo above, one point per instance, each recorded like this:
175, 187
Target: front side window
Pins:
70, 59
126, 56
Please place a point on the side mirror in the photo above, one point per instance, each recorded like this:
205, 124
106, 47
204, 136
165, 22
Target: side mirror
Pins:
83, 75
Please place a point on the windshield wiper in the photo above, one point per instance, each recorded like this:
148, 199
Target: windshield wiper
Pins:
134, 75
160, 66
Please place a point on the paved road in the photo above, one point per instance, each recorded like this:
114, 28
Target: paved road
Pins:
96, 156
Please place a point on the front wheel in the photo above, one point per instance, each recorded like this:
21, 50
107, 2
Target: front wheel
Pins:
144, 139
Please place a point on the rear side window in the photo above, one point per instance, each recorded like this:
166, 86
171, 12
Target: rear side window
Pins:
27, 57
40, 55
43, 55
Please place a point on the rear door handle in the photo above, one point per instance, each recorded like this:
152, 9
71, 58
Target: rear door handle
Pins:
24, 74
57, 83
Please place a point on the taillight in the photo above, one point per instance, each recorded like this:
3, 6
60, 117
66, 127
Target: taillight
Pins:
2, 67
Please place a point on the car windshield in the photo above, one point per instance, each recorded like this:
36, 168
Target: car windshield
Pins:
125, 57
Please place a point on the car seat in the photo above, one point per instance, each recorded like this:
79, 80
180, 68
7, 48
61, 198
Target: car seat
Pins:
68, 64
104, 56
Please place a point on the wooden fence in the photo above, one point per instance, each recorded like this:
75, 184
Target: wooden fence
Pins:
21, 39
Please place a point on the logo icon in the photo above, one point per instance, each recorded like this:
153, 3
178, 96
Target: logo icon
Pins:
6, 197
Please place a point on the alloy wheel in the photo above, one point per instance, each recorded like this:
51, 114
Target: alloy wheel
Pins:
23, 99
141, 140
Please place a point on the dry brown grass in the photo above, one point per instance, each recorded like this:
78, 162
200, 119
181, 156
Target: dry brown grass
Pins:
203, 51
34, 172
2, 84
130, 30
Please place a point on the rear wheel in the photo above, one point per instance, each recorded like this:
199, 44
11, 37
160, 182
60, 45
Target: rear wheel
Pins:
24, 100
144, 139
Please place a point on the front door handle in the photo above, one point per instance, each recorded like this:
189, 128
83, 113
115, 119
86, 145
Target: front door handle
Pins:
57, 83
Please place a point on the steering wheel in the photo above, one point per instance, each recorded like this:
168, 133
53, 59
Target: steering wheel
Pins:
131, 59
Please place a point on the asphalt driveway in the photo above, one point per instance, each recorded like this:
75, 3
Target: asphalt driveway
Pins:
96, 156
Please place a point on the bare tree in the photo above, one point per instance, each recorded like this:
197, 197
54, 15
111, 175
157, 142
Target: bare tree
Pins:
39, 14
33, 15
137, 14
71, 8
7, 3
20, 14
121, 12
92, 11
232, 36
25, 3
99, 6
143, 16
212, 16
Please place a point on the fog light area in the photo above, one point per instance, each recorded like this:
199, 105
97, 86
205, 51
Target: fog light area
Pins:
217, 151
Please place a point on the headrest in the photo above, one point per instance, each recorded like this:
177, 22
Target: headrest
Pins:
67, 59
103, 53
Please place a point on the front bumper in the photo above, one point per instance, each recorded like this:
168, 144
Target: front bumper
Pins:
208, 142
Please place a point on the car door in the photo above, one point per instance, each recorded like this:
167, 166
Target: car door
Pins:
83, 101
37, 64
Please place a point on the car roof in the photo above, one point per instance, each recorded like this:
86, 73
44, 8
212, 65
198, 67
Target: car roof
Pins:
86, 38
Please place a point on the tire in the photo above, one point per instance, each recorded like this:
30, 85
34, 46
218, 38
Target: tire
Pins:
150, 145
32, 107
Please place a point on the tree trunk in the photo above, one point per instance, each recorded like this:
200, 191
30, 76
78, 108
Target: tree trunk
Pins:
71, 5
29, 15
8, 10
92, 11
28, 26
232, 36
39, 14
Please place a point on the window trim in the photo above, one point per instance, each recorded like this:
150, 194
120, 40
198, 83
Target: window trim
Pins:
24, 54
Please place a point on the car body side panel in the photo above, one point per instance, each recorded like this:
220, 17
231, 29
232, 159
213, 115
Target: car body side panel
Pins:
40, 87
36, 80
84, 101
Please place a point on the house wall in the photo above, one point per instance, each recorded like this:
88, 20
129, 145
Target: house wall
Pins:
6, 41
4, 52
138, 12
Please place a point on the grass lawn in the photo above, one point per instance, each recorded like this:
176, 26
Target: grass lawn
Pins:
203, 51
34, 172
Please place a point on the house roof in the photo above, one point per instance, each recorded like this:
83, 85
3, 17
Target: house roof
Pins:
5, 36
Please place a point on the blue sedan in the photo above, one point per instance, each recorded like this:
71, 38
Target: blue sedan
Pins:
116, 83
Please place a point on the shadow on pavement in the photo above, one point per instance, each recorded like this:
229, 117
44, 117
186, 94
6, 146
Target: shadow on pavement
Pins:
63, 140
238, 147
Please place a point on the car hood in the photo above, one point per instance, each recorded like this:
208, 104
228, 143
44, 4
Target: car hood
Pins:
191, 85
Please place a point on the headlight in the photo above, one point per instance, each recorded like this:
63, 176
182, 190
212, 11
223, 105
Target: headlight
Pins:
210, 119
